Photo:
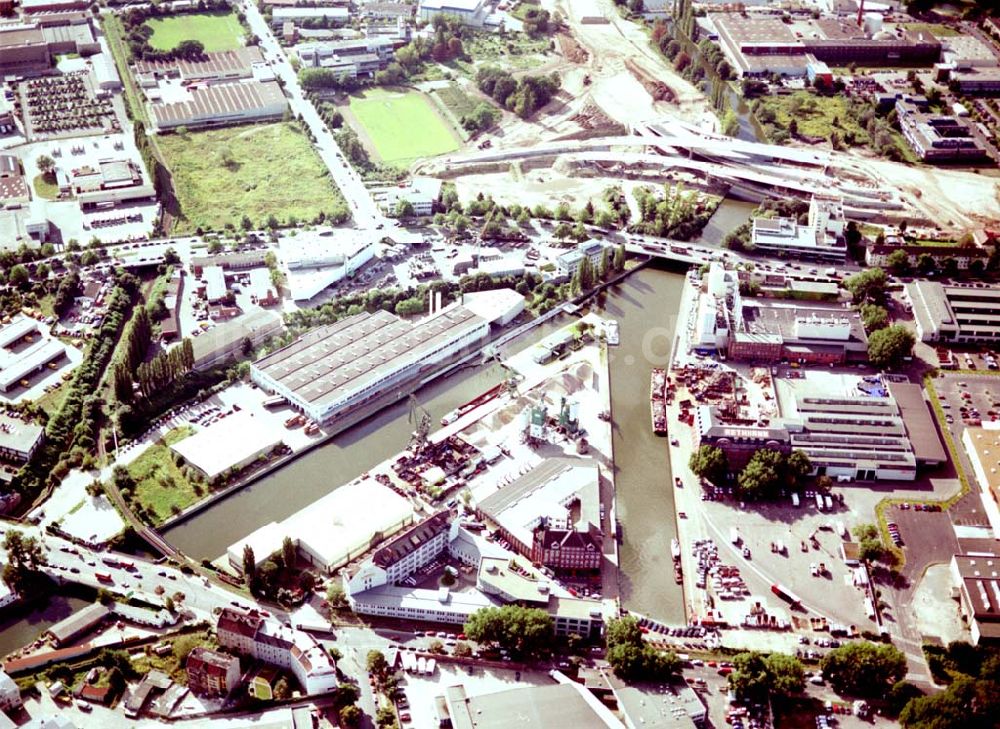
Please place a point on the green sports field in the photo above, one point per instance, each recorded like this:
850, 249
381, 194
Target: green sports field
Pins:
215, 31
402, 126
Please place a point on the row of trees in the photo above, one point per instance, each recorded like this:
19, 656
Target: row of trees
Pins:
765, 475
137, 33
525, 632
523, 96
888, 346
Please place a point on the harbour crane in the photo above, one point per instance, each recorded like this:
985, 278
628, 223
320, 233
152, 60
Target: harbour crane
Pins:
421, 420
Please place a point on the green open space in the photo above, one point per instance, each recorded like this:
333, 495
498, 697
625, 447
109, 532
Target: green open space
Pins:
456, 100
46, 187
215, 31
161, 487
402, 125
220, 175
820, 116
939, 30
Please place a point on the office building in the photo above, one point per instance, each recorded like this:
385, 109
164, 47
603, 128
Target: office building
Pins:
219, 105
267, 640
551, 514
963, 314
739, 441
404, 554
568, 263
333, 370
977, 80
357, 57
422, 193
938, 137
982, 446
470, 12
978, 580
820, 239
211, 673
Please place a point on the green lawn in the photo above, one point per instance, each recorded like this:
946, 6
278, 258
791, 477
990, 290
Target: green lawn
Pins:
220, 175
161, 487
402, 126
216, 31
937, 29
45, 187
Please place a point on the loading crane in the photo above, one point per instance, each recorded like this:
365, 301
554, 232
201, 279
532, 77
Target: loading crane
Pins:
421, 420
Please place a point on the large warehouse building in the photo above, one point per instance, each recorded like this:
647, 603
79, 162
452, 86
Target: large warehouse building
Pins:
220, 104
333, 370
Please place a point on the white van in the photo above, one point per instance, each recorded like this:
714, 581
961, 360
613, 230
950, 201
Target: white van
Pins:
795, 500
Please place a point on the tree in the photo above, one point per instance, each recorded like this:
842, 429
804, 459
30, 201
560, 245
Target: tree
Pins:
335, 596
377, 665
762, 476
46, 165
19, 277
523, 631
926, 264
289, 553
249, 563
874, 317
404, 208
898, 261
867, 286
168, 603
385, 716
798, 466
787, 674
25, 557
350, 716
282, 690
189, 49
863, 668
888, 347
709, 463
631, 657
750, 678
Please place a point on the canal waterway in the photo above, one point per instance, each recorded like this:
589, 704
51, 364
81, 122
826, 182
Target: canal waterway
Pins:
645, 304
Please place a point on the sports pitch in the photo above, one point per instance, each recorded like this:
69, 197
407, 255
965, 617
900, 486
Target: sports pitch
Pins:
215, 31
402, 126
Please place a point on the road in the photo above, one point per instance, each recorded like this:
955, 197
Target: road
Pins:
364, 210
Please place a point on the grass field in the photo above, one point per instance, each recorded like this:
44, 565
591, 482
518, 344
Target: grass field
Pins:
161, 487
220, 175
937, 29
402, 126
46, 188
457, 101
215, 31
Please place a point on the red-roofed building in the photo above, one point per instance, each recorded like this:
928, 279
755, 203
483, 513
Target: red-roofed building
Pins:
211, 673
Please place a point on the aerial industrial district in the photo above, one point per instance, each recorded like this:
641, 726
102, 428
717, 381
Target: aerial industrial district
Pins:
500, 363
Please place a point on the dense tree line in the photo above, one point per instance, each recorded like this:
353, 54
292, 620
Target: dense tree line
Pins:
523, 96
137, 33
769, 471
71, 433
66, 292
972, 697
525, 632
677, 215
632, 658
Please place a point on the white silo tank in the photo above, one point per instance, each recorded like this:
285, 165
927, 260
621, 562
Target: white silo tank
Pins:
872, 23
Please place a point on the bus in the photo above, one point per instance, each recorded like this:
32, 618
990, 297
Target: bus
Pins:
103, 577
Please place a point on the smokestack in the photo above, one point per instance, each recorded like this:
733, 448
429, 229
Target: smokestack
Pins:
861, 12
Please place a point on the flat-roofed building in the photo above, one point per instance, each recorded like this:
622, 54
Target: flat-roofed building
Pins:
954, 313
240, 261
10, 694
353, 56
215, 284
568, 262
228, 444
315, 261
672, 705
739, 441
221, 104
981, 81
211, 673
227, 339
983, 448
23, 48
978, 581
565, 705
938, 137
19, 440
24, 351
70, 38
13, 185
110, 181
333, 370
422, 193
820, 239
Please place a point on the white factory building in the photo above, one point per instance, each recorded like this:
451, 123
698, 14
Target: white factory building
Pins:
315, 261
228, 444
24, 351
332, 371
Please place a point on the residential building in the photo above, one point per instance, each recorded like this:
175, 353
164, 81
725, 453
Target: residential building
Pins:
10, 694
333, 370
963, 256
978, 580
958, 313
267, 640
421, 192
564, 705
219, 105
820, 239
470, 12
19, 440
568, 263
211, 673
551, 514
937, 137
